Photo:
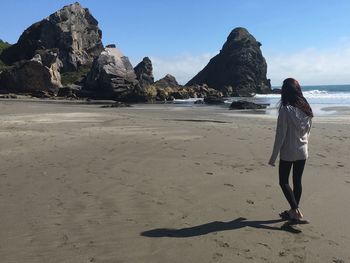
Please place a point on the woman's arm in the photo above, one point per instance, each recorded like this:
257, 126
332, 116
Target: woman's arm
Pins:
281, 132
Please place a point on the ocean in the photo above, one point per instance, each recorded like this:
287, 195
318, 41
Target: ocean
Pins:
325, 100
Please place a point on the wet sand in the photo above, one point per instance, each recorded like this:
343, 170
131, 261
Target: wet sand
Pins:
157, 183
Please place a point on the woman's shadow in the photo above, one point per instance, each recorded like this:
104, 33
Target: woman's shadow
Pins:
217, 226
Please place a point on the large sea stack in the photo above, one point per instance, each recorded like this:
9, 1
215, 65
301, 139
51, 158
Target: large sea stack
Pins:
73, 31
240, 65
111, 76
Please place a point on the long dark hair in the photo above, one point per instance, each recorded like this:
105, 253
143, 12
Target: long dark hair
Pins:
291, 94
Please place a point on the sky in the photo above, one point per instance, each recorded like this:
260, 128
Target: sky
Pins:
307, 40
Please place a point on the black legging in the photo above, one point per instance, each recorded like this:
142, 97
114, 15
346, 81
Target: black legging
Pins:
293, 196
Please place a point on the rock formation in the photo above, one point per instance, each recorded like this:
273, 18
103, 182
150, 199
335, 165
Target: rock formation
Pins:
72, 30
168, 81
240, 67
40, 74
144, 72
245, 105
111, 76
168, 88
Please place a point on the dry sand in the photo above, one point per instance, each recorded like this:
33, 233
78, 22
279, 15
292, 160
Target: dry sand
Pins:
163, 184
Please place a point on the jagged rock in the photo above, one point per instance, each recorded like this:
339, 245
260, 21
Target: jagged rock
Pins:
72, 30
111, 46
199, 102
168, 81
245, 105
166, 88
144, 72
164, 92
240, 64
181, 93
69, 91
112, 77
276, 91
39, 75
203, 91
214, 100
227, 91
8, 96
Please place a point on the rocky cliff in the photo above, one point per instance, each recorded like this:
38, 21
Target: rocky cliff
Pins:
240, 67
72, 30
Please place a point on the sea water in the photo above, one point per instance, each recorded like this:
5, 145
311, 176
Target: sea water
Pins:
321, 98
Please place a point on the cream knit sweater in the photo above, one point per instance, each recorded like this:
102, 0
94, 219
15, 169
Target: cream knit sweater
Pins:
292, 134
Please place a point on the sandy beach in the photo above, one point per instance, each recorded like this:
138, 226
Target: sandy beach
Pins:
163, 183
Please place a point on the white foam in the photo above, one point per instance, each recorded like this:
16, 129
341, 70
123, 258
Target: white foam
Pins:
314, 94
190, 100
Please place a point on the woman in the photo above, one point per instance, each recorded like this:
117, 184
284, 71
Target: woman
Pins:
291, 143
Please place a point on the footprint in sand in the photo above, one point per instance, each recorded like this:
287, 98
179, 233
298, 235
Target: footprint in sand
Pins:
221, 243
282, 254
217, 256
250, 202
332, 243
265, 245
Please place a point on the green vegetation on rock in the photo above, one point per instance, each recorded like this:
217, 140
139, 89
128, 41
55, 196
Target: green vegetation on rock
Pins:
75, 76
3, 46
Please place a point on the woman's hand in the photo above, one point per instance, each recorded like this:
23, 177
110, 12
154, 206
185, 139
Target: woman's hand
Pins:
271, 163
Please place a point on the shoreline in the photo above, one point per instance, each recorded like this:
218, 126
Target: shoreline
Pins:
321, 111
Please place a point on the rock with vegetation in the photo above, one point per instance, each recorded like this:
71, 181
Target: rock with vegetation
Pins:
168, 88
70, 91
72, 30
40, 75
112, 77
240, 65
144, 72
3, 45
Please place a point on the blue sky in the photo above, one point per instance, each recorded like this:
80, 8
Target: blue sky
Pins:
308, 40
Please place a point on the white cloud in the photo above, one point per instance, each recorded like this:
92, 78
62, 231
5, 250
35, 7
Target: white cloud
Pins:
311, 66
182, 67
